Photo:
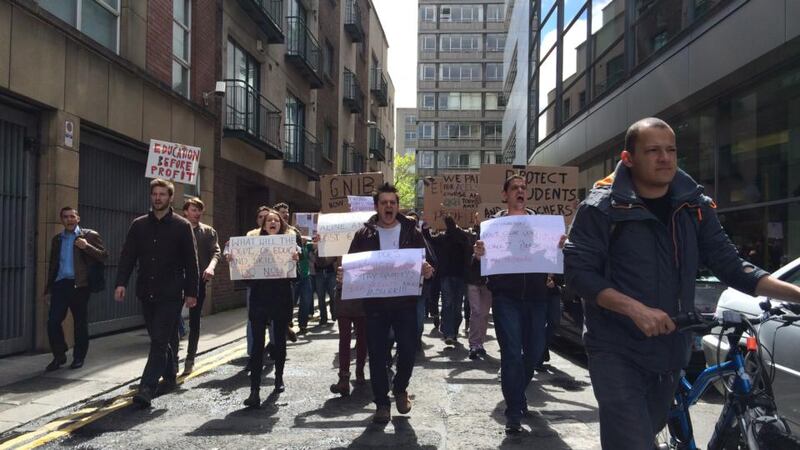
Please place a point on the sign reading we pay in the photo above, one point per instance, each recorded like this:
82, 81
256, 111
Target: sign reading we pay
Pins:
263, 257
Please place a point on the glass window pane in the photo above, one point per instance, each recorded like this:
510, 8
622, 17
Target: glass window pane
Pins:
574, 97
656, 24
180, 12
575, 48
180, 43
99, 24
608, 24
180, 79
609, 69
547, 122
547, 81
767, 236
63, 9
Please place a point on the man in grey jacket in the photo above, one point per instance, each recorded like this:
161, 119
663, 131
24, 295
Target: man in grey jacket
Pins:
633, 253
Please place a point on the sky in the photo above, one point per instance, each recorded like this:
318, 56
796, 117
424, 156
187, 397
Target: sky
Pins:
399, 21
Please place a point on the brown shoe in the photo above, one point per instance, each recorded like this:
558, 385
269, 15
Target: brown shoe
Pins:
360, 380
343, 386
383, 415
291, 335
402, 402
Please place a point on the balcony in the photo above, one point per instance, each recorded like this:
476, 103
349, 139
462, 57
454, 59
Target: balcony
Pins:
267, 14
302, 151
352, 21
379, 86
302, 51
353, 97
377, 144
249, 116
352, 159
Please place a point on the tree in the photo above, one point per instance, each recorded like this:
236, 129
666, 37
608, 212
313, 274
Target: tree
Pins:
405, 179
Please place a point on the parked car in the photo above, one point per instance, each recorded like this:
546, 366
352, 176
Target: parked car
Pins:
783, 343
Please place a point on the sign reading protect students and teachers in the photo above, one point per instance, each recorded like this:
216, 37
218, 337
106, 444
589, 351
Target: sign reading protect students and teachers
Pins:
171, 161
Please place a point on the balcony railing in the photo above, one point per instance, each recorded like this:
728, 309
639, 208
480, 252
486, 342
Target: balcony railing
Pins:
377, 144
352, 20
267, 14
352, 159
302, 50
352, 95
251, 117
379, 86
302, 151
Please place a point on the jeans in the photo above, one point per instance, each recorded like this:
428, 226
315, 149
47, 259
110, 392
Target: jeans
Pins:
480, 301
260, 319
633, 402
404, 323
305, 294
520, 327
346, 326
432, 292
65, 296
325, 283
161, 320
452, 305
194, 321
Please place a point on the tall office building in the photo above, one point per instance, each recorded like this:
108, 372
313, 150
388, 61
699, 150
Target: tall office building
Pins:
460, 79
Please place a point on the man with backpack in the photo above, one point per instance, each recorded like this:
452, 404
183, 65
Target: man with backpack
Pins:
75, 271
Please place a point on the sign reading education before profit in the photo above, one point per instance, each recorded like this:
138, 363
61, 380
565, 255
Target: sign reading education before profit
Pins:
383, 274
170, 161
306, 223
336, 231
336, 188
262, 257
522, 244
455, 194
551, 190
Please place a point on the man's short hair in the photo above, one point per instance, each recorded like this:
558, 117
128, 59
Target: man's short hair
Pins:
194, 201
66, 208
279, 206
633, 131
158, 182
385, 188
508, 181
261, 209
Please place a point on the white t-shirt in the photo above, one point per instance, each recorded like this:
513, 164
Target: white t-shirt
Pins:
390, 237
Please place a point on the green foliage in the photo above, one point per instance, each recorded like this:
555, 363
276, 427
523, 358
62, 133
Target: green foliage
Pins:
405, 179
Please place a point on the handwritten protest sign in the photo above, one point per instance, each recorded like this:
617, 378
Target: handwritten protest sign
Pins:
455, 194
382, 274
262, 257
551, 190
360, 203
522, 244
488, 210
306, 223
170, 161
336, 231
336, 188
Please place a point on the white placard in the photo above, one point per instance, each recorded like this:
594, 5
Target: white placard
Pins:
360, 203
336, 231
522, 244
171, 161
382, 274
263, 257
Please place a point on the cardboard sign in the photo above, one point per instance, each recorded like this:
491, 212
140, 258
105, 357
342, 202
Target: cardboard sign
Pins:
551, 190
487, 211
361, 203
382, 274
306, 223
175, 162
456, 195
522, 244
336, 231
263, 257
336, 188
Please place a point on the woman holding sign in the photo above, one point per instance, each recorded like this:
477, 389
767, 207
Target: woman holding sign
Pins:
270, 301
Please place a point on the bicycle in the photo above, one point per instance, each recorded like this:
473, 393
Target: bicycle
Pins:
749, 418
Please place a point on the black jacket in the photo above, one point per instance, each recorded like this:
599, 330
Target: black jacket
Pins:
453, 251
649, 261
166, 254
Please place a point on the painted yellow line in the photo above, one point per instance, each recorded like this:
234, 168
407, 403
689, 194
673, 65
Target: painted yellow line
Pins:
53, 430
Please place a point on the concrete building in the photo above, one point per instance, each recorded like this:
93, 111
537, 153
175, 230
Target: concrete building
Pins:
406, 128
460, 79
723, 73
85, 84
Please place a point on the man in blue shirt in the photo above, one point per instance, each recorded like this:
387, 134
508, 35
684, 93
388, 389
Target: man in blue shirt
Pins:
71, 253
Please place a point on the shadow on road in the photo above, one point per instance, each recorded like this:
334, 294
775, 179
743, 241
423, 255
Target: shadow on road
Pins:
404, 436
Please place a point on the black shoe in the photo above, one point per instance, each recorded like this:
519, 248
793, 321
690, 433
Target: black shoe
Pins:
254, 401
526, 413
323, 322
436, 322
291, 335
143, 398
473, 354
188, 366
513, 428
57, 362
166, 386
482, 351
279, 386
303, 331
449, 341
76, 364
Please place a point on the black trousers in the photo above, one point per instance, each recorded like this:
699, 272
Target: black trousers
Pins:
161, 320
404, 323
65, 296
259, 314
194, 322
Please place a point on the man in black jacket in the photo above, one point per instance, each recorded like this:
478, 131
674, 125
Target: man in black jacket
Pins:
389, 230
163, 245
454, 250
633, 255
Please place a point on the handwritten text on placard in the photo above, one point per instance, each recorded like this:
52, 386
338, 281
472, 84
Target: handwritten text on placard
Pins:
262, 257
382, 274
336, 231
522, 244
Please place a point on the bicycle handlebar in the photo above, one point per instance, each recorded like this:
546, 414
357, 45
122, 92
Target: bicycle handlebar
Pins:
693, 321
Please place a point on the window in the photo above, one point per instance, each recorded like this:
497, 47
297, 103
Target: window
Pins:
494, 72
461, 13
427, 72
495, 42
427, 13
458, 160
460, 72
411, 135
460, 130
493, 131
328, 143
181, 33
243, 69
427, 43
425, 130
425, 160
411, 120
466, 43
460, 101
444, 14
495, 13
328, 56
98, 19
491, 101
427, 101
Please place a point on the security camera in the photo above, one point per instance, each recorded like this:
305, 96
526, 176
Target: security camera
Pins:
219, 89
